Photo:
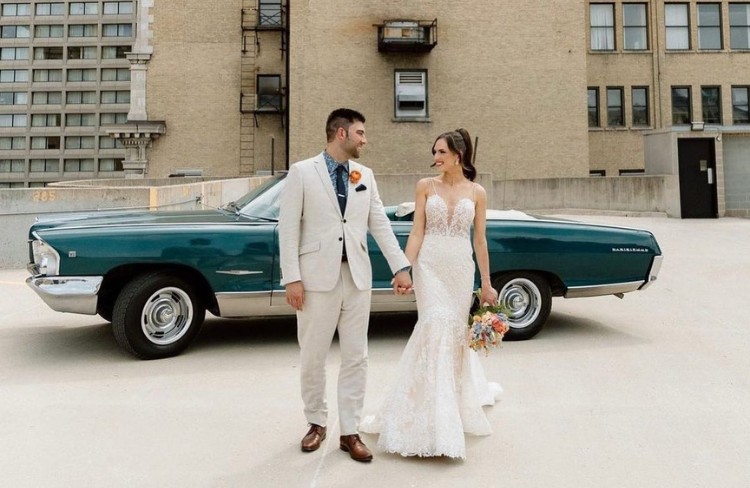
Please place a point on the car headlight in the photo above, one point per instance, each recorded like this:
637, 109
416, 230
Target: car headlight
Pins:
46, 258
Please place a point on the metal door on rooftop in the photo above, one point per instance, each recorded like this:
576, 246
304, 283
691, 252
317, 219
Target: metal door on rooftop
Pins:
697, 163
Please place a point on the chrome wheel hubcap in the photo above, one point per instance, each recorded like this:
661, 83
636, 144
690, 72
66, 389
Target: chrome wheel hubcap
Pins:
167, 316
523, 299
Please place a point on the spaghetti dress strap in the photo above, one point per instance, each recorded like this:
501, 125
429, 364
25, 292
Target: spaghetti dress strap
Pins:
434, 190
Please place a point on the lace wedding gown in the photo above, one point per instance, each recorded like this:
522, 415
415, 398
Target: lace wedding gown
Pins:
440, 385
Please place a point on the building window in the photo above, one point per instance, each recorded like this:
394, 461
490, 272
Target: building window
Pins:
47, 75
119, 8
81, 52
80, 97
106, 142
79, 142
46, 98
113, 118
88, 74
709, 26
80, 120
12, 143
78, 165
44, 165
14, 31
677, 25
602, 26
53, 53
45, 120
634, 27
593, 103
269, 13
711, 103
14, 53
110, 164
641, 116
83, 8
50, 9
45, 142
681, 105
48, 31
739, 25
115, 52
12, 166
115, 74
740, 111
14, 75
82, 30
615, 109
117, 30
13, 120
14, 98
109, 96
411, 94
269, 96
16, 10
631, 172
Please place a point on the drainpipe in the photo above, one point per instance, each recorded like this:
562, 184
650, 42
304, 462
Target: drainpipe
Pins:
656, 69
286, 74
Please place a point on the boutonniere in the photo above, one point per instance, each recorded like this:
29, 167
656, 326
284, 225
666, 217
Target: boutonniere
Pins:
354, 176
361, 188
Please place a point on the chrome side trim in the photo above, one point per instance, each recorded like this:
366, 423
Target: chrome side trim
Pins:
74, 294
653, 272
273, 303
239, 272
249, 304
600, 290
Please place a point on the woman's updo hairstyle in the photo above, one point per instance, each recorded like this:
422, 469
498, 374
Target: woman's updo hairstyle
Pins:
459, 142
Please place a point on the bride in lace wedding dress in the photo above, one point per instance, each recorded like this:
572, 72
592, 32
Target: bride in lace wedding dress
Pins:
440, 386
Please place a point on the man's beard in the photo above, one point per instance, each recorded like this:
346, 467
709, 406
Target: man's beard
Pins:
353, 151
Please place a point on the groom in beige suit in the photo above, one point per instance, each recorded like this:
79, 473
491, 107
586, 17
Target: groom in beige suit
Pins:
328, 205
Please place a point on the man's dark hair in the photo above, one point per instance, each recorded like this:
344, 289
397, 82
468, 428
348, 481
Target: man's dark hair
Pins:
341, 118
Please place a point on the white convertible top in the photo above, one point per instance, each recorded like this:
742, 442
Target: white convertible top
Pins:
407, 208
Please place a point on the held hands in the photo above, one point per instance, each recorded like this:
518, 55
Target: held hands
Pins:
295, 295
402, 283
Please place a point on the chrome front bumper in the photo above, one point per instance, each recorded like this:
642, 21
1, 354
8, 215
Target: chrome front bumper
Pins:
74, 294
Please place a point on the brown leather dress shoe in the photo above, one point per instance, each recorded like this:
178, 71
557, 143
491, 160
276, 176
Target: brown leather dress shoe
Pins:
313, 438
355, 447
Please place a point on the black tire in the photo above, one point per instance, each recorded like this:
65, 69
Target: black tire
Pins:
528, 298
157, 315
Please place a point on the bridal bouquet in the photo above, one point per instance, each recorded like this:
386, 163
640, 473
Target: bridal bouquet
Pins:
487, 326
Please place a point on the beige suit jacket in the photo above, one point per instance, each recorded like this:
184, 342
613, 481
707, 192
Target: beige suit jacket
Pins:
312, 231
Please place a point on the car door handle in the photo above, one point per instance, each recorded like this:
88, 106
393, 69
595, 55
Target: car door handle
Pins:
239, 272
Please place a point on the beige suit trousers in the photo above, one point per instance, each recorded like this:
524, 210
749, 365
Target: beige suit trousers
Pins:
346, 309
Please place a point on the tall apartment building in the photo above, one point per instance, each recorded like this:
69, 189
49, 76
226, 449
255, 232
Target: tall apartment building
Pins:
64, 78
236, 87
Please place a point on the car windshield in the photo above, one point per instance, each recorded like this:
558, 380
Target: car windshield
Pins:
262, 202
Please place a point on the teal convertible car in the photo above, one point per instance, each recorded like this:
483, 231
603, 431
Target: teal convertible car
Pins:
155, 274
